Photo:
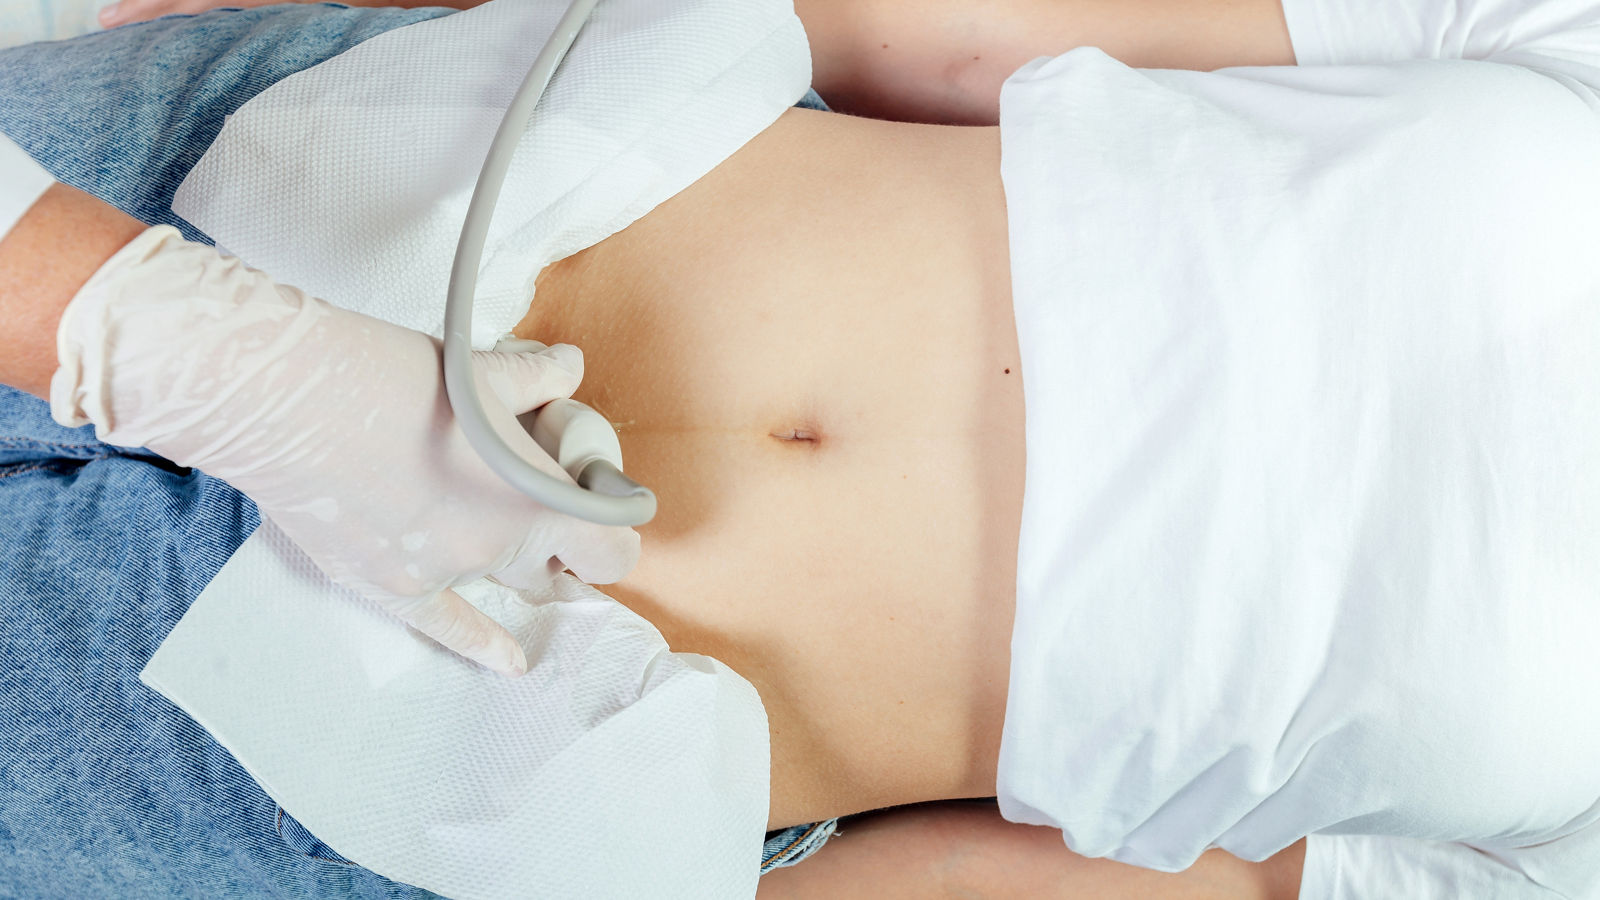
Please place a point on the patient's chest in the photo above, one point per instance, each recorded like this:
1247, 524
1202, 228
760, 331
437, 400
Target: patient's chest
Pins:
810, 357
1318, 551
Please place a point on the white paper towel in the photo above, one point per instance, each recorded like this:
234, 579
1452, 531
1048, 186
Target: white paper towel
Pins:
351, 179
614, 768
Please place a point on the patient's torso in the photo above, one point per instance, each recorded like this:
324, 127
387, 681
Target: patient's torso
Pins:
810, 356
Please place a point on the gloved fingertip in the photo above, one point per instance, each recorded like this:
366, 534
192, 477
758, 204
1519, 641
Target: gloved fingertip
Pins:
506, 658
567, 356
518, 663
562, 363
513, 344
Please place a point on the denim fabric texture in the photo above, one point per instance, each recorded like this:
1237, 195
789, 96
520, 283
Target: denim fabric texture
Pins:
106, 789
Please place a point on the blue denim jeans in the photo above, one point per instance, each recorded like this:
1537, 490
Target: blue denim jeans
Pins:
106, 789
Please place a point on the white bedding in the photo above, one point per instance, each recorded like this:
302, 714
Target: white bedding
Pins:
27, 21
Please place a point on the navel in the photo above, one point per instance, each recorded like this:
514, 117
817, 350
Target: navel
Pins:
799, 435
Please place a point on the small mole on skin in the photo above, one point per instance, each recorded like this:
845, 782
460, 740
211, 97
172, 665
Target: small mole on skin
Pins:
1008, 371
885, 46
974, 59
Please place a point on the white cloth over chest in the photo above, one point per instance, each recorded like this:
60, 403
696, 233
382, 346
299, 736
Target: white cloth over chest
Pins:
1311, 532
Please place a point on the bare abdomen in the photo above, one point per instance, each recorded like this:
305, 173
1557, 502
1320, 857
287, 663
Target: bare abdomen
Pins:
810, 357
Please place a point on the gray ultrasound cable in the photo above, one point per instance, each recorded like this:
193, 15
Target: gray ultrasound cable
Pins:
603, 495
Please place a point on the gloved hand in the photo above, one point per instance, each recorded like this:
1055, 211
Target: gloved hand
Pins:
336, 424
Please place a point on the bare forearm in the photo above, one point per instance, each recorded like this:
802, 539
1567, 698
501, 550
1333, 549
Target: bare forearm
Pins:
410, 4
944, 60
966, 850
64, 239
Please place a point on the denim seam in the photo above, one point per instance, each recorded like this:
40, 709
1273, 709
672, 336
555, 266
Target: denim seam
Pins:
36, 444
776, 857
36, 467
4, 474
338, 862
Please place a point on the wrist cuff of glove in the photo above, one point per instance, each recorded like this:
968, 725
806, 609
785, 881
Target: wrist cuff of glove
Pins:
80, 389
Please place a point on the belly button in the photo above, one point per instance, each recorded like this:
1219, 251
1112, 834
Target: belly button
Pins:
798, 435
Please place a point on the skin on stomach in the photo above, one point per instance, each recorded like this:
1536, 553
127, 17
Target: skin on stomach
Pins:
810, 356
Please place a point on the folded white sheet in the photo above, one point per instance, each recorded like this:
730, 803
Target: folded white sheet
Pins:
614, 768
351, 180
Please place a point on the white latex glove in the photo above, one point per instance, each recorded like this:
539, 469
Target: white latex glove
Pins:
336, 424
